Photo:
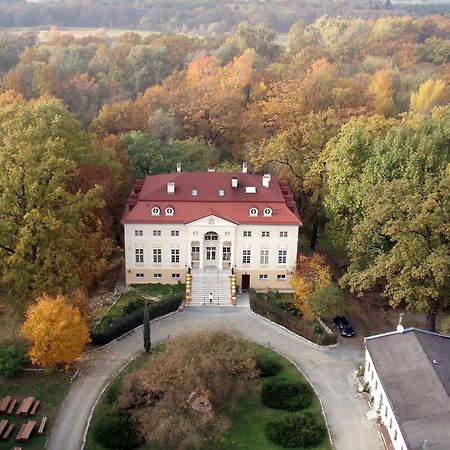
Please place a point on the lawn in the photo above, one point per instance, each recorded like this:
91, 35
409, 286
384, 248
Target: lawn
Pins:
159, 290
248, 417
126, 303
47, 387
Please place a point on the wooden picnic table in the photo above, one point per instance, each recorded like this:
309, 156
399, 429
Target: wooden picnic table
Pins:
3, 425
25, 406
25, 431
4, 403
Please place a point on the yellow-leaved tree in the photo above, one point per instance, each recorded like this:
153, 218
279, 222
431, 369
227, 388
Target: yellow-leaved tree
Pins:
311, 274
57, 331
430, 94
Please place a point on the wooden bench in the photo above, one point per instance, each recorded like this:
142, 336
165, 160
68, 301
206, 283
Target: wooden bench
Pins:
34, 408
25, 406
3, 425
4, 403
25, 431
8, 432
11, 406
42, 425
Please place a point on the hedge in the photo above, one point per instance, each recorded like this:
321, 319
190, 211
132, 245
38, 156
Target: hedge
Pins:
132, 320
294, 324
296, 430
286, 395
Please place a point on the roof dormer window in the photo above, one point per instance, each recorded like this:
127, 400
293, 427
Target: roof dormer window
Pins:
267, 212
170, 211
253, 212
156, 211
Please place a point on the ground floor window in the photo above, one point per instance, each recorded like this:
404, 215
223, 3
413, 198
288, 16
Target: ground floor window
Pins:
263, 276
226, 254
195, 253
175, 255
157, 275
282, 256
175, 275
246, 256
281, 277
139, 275
139, 255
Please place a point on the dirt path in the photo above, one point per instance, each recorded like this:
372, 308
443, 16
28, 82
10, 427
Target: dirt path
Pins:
329, 370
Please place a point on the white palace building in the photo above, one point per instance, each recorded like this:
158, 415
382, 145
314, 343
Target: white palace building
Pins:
212, 223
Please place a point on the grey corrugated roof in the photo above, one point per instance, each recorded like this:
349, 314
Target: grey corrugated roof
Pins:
418, 389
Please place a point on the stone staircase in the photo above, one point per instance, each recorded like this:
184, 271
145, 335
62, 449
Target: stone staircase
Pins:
211, 280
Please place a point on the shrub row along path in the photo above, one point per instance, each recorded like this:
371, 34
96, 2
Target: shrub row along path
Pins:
331, 371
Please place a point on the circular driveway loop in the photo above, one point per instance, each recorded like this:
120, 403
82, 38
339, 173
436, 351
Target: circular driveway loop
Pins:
329, 370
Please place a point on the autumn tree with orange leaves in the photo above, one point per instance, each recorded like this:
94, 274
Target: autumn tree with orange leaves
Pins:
56, 330
312, 273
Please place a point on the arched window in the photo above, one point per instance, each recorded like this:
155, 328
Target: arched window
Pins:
267, 212
170, 211
156, 211
253, 212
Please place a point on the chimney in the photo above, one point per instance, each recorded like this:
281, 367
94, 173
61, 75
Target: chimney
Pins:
400, 327
266, 180
234, 183
178, 167
244, 167
171, 187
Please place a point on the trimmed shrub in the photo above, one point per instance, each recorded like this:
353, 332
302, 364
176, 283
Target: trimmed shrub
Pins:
267, 367
116, 431
126, 323
286, 395
296, 430
12, 360
326, 339
288, 320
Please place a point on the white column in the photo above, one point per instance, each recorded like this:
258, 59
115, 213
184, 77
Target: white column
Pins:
220, 255
200, 266
189, 255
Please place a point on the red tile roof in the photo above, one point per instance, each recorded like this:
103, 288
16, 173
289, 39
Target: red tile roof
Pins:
233, 206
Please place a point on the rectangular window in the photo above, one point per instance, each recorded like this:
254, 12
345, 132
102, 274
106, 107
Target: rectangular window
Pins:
139, 275
139, 232
281, 277
226, 256
156, 232
247, 234
195, 252
282, 256
263, 276
175, 275
174, 233
264, 257
246, 256
157, 255
175, 255
157, 275
265, 234
283, 234
139, 255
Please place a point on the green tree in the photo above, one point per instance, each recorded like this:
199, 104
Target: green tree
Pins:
327, 302
295, 155
388, 200
50, 237
146, 330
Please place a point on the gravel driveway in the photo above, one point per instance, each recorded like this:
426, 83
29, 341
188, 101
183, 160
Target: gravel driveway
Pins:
329, 370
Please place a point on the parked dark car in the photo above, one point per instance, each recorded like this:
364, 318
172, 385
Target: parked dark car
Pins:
344, 326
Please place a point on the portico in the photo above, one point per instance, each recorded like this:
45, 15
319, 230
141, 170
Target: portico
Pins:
211, 243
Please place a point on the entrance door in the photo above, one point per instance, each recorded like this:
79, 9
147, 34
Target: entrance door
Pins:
245, 281
211, 255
